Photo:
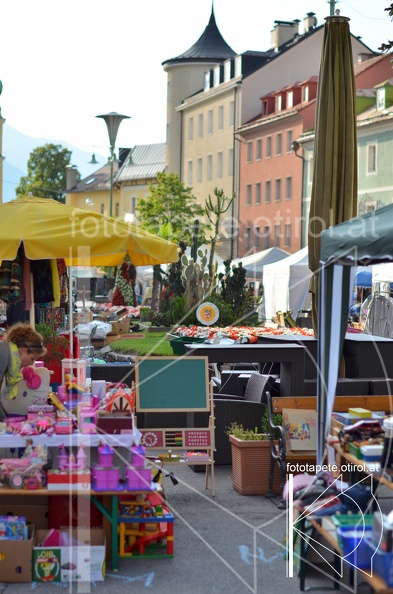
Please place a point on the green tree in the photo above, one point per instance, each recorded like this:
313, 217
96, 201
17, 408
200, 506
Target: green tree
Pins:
46, 173
385, 47
170, 211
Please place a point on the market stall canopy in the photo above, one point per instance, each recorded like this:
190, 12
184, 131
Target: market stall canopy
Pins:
362, 241
254, 263
48, 229
286, 285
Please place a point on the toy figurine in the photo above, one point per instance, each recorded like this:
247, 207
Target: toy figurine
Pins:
71, 386
28, 449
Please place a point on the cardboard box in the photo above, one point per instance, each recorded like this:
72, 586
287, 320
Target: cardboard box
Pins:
61, 480
300, 428
124, 326
111, 338
84, 562
84, 317
16, 559
34, 514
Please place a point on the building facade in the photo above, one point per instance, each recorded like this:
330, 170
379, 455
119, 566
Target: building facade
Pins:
207, 140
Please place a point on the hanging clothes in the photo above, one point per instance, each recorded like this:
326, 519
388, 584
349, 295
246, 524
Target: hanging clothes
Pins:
42, 280
379, 320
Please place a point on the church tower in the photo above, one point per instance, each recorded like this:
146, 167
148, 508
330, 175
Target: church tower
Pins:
186, 77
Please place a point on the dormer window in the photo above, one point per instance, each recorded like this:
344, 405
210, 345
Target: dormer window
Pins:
238, 65
381, 98
227, 71
207, 81
279, 103
290, 99
305, 94
216, 76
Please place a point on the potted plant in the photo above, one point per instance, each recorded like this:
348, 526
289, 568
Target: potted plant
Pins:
58, 348
251, 459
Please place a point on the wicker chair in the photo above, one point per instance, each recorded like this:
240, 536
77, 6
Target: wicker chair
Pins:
247, 411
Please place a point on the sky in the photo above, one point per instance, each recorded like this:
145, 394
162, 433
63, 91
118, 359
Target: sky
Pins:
63, 63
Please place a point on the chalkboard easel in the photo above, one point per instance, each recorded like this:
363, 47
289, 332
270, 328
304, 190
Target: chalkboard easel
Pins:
173, 384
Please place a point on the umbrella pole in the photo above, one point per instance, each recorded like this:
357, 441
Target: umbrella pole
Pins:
32, 307
70, 312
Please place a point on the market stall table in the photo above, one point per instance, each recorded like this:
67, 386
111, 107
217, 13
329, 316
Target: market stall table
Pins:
290, 356
109, 508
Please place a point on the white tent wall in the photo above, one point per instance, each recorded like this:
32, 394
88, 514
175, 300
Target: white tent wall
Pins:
285, 284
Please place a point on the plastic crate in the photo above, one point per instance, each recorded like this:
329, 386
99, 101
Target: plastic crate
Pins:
382, 563
354, 545
355, 451
179, 344
353, 520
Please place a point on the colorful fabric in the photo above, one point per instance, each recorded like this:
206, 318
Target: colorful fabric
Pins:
13, 374
55, 283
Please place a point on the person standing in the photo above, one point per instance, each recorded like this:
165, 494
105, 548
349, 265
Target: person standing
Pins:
21, 346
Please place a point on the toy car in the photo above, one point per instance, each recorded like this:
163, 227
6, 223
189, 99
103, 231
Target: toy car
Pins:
21, 472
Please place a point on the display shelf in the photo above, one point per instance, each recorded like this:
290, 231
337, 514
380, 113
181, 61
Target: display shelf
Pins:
70, 440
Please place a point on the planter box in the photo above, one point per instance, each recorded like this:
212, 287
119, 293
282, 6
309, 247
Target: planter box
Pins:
250, 467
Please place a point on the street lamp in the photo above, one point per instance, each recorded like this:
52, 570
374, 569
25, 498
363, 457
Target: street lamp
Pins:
113, 121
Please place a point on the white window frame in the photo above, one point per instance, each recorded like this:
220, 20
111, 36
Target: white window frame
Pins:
200, 170
200, 125
288, 187
289, 141
210, 121
249, 151
372, 158
278, 144
248, 195
258, 193
258, 149
277, 189
268, 191
220, 123
268, 149
189, 172
191, 128
290, 99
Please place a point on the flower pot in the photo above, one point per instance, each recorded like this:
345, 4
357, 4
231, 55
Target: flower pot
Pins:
250, 467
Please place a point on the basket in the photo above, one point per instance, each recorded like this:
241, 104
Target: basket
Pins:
354, 545
179, 344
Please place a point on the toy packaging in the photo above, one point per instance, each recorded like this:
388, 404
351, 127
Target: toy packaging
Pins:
13, 527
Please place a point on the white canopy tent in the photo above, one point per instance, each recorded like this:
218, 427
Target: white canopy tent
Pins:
255, 263
285, 285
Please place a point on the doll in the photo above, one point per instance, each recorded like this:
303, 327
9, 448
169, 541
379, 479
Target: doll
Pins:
28, 449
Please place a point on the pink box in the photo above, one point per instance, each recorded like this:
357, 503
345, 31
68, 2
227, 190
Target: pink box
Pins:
106, 478
138, 479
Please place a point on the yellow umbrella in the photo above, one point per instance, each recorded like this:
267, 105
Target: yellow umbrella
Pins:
334, 189
48, 229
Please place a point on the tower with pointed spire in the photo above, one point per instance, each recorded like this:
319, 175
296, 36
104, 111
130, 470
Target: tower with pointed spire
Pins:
185, 73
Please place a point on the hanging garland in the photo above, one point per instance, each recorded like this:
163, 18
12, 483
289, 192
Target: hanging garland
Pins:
123, 293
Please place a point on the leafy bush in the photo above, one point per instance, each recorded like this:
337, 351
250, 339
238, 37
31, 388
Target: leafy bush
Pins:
237, 430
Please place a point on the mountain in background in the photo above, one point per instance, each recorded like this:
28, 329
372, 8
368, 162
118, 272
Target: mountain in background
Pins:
17, 148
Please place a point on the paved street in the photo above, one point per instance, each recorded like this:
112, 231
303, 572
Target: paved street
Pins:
223, 545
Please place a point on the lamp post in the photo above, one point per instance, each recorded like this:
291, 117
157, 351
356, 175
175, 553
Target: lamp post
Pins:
113, 121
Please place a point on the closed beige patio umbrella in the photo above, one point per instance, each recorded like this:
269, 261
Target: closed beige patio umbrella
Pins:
334, 188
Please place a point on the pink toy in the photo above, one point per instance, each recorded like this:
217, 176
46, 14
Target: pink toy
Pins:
77, 462
19, 471
32, 378
105, 456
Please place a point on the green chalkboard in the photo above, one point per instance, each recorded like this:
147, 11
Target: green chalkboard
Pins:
172, 384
